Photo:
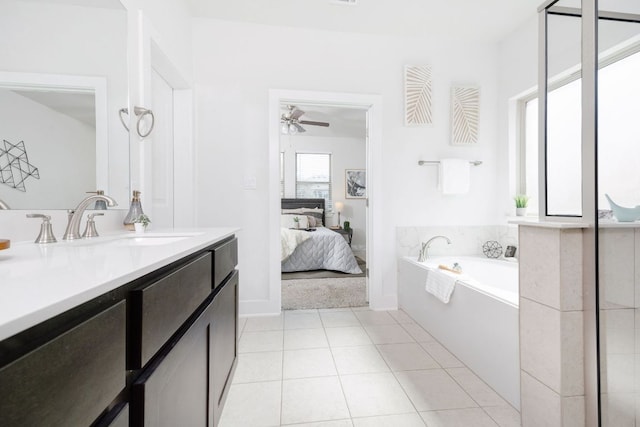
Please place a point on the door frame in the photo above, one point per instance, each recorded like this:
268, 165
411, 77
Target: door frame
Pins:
373, 105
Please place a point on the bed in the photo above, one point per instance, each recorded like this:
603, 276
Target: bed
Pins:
313, 247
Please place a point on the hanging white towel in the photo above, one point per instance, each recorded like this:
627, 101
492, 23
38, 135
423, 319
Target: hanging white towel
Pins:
454, 176
441, 283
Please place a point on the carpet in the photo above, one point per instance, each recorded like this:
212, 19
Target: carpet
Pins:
323, 293
324, 274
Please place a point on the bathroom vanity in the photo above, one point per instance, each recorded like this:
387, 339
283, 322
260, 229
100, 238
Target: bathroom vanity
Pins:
120, 330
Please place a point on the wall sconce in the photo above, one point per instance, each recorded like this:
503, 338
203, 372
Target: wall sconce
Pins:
140, 112
339, 207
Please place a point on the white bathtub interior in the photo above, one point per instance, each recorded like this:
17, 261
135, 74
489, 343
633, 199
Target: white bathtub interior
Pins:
480, 323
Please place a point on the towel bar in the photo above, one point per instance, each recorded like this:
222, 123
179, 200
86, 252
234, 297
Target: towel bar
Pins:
436, 162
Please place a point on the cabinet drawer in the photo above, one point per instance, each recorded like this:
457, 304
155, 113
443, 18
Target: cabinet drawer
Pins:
70, 380
225, 259
158, 310
173, 389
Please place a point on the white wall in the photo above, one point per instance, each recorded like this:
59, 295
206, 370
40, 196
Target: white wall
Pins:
235, 66
346, 153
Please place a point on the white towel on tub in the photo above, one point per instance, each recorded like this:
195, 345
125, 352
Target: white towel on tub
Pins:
455, 176
441, 283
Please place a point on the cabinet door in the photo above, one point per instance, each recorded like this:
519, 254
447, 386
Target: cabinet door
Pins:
70, 380
173, 389
224, 350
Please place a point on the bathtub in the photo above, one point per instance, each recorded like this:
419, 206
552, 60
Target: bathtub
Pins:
479, 325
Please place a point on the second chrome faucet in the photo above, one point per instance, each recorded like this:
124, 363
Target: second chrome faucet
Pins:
424, 252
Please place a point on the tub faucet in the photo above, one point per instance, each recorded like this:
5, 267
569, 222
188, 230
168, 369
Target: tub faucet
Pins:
424, 252
73, 226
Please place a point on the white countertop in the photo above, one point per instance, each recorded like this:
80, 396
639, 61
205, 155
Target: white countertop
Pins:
38, 282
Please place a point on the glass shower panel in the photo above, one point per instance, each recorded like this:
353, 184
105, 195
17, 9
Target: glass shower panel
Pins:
563, 109
618, 165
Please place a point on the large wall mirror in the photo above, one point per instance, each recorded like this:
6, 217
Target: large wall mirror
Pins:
63, 79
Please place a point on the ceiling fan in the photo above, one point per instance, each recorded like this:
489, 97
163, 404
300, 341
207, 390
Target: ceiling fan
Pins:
290, 121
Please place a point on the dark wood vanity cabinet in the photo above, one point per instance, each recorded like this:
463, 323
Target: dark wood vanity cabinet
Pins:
161, 353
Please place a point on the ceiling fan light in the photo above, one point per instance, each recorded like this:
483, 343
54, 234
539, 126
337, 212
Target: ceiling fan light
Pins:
292, 129
284, 128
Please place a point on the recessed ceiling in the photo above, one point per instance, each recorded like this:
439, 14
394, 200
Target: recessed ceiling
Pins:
452, 20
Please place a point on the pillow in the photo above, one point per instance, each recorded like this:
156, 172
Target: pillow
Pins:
317, 213
312, 221
287, 221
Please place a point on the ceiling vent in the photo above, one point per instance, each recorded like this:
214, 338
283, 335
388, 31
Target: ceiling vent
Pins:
344, 2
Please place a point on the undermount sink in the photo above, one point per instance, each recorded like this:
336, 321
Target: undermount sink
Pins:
132, 240
152, 239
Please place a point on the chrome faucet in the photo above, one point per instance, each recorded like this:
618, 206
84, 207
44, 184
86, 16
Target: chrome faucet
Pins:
424, 252
4, 205
73, 227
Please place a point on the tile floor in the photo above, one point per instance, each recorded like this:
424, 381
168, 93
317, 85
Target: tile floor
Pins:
354, 367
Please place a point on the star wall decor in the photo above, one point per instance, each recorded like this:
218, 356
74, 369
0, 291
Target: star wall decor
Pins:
14, 165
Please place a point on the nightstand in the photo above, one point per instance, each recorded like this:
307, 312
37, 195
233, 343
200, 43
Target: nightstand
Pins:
348, 235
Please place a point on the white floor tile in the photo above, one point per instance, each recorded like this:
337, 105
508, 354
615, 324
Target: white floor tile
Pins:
400, 316
334, 310
254, 367
406, 357
296, 339
302, 320
260, 341
313, 399
359, 360
388, 334
458, 418
315, 362
363, 308
241, 322
504, 416
404, 420
264, 323
476, 388
442, 355
375, 394
256, 405
417, 332
370, 317
337, 319
433, 390
349, 336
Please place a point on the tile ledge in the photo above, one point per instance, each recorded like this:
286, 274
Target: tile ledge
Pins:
535, 222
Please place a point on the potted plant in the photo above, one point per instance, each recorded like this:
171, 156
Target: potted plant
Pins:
141, 222
297, 221
522, 200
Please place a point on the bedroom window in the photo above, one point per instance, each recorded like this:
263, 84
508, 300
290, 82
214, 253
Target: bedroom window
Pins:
313, 177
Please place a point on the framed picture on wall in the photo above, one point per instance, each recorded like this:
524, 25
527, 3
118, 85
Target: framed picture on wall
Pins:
355, 184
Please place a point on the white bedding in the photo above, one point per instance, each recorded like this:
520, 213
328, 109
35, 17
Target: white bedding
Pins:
290, 241
324, 250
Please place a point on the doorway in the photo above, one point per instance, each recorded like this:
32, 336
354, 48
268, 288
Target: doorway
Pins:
372, 105
323, 161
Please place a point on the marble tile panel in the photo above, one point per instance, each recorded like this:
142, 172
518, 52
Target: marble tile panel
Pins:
539, 265
617, 267
307, 363
504, 416
254, 367
476, 388
540, 406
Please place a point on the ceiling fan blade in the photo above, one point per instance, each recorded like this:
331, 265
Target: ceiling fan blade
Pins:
307, 122
296, 113
297, 126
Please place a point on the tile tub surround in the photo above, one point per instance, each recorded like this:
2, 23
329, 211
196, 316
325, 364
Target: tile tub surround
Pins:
465, 240
551, 326
340, 376
42, 281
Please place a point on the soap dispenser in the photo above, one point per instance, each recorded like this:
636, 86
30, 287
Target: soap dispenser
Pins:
135, 210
